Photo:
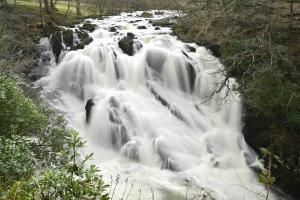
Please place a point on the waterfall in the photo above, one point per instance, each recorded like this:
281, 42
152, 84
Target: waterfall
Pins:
146, 117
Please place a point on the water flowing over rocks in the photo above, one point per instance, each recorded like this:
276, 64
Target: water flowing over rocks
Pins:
138, 97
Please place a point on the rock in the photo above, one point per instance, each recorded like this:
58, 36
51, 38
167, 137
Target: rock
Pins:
215, 49
112, 29
82, 34
84, 37
190, 48
159, 12
56, 43
89, 27
82, 43
142, 27
170, 164
165, 22
157, 28
126, 44
68, 38
191, 74
146, 15
88, 109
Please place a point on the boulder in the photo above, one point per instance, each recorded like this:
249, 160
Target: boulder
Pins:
56, 43
112, 29
88, 27
190, 48
88, 109
142, 27
165, 22
126, 44
146, 15
68, 38
215, 49
157, 28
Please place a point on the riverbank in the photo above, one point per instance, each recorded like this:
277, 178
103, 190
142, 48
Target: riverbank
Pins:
39, 154
259, 46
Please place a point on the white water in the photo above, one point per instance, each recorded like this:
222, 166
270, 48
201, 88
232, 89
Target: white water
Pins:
135, 134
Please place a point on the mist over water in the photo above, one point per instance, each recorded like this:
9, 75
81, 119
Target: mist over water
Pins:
149, 122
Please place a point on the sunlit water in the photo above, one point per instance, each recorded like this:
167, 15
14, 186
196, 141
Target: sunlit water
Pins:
151, 124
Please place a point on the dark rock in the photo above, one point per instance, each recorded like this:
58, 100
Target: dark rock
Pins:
56, 43
157, 28
191, 74
84, 37
165, 22
89, 27
68, 37
146, 15
142, 27
112, 29
126, 44
165, 103
159, 12
215, 49
88, 109
190, 48
82, 34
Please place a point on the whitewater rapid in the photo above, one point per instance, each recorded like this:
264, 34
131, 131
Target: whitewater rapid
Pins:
150, 124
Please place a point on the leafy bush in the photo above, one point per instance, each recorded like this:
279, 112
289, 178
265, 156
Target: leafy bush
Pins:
18, 113
39, 156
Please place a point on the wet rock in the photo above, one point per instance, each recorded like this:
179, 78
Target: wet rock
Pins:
215, 49
190, 48
88, 27
191, 74
157, 28
142, 27
165, 103
159, 12
165, 22
146, 15
82, 34
126, 44
170, 164
56, 43
68, 37
112, 29
131, 151
155, 60
84, 37
88, 109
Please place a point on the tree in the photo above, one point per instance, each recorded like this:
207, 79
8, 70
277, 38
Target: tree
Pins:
78, 9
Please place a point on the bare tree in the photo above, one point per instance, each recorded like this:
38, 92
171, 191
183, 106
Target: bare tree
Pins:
78, 9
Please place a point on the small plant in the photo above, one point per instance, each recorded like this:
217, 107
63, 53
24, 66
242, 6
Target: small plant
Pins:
265, 177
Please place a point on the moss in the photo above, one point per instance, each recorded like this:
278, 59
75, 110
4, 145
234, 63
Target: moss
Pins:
146, 15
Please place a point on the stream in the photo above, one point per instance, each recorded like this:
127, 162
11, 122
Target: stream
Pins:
148, 117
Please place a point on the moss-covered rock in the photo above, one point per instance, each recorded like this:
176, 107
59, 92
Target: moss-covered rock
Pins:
146, 15
126, 44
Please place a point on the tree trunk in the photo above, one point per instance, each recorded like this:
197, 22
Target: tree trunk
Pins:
78, 9
52, 7
47, 8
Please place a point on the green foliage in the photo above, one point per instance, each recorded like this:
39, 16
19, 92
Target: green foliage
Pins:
18, 113
261, 50
16, 159
39, 156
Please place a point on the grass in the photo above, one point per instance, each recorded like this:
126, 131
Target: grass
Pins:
61, 6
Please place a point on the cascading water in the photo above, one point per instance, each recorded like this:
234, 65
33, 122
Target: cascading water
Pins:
145, 117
